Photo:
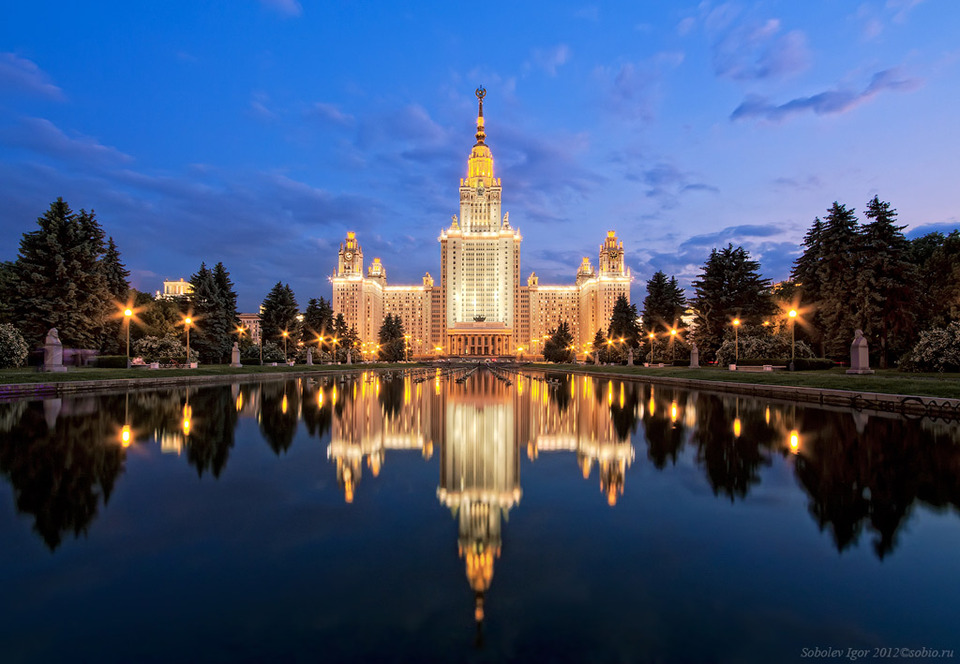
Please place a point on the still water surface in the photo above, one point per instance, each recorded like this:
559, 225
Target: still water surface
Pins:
551, 519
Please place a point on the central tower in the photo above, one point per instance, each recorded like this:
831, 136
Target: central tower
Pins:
480, 261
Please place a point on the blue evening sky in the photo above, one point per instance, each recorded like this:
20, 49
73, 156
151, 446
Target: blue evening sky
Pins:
258, 132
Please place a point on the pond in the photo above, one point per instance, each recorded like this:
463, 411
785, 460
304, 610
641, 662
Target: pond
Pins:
433, 516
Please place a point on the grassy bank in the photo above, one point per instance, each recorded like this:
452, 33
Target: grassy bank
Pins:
882, 382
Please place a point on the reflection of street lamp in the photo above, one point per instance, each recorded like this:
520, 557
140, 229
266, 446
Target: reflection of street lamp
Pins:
127, 315
736, 340
793, 346
186, 324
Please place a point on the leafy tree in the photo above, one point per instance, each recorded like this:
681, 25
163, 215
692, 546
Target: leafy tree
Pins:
664, 304
166, 349
278, 314
938, 350
557, 347
317, 320
13, 349
938, 260
58, 280
392, 343
729, 286
156, 317
886, 293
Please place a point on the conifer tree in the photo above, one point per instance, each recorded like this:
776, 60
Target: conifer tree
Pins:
837, 269
392, 344
317, 320
279, 314
557, 347
729, 287
213, 306
600, 347
623, 323
58, 280
664, 304
886, 294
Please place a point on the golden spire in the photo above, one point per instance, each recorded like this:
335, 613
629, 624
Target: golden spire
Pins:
480, 165
481, 93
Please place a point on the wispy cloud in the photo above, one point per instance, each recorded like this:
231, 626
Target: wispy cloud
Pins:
259, 108
828, 102
331, 113
549, 60
632, 89
24, 75
42, 136
285, 7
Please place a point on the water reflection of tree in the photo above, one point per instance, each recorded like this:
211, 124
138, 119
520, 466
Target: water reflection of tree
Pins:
623, 413
212, 427
59, 474
731, 461
664, 433
391, 396
559, 390
316, 411
279, 405
871, 478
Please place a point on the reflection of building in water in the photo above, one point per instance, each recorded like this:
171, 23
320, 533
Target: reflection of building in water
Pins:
584, 427
479, 473
371, 421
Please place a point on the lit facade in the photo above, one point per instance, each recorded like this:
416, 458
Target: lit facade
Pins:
479, 307
175, 289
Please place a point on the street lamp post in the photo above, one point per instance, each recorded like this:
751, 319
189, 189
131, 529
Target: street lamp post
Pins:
793, 345
652, 337
736, 340
673, 345
285, 335
186, 324
127, 315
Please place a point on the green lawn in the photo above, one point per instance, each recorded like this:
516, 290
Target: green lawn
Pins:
884, 381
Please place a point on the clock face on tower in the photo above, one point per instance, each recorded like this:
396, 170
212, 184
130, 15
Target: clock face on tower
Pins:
348, 256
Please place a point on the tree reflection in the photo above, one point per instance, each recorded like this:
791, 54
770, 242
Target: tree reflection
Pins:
279, 407
61, 471
663, 426
870, 478
212, 428
729, 446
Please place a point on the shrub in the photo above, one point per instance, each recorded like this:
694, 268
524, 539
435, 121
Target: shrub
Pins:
111, 361
812, 364
165, 350
937, 350
760, 347
13, 349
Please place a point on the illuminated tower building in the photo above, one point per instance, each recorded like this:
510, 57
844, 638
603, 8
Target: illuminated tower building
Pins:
479, 307
480, 261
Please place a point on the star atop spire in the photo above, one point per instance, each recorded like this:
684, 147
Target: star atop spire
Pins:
481, 93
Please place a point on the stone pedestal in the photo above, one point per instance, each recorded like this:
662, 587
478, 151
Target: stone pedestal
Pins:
859, 355
596, 359
53, 352
235, 356
694, 357
309, 357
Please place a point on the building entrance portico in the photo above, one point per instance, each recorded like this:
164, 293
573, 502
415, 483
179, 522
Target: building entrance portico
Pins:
479, 340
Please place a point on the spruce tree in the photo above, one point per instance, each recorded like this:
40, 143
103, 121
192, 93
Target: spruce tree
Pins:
729, 287
886, 293
837, 279
278, 314
392, 344
664, 304
557, 347
938, 259
805, 276
317, 320
623, 323
214, 313
600, 347
58, 280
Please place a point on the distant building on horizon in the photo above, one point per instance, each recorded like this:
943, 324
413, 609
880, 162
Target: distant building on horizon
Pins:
175, 289
479, 308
